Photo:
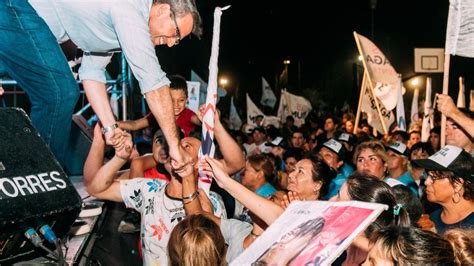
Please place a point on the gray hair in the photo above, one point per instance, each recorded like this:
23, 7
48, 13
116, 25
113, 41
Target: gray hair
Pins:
182, 7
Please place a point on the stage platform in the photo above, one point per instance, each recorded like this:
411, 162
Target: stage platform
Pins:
103, 245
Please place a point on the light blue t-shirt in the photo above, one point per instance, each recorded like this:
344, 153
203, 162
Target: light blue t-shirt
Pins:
102, 26
338, 181
266, 190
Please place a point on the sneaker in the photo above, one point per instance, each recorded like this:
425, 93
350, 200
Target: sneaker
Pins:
130, 222
90, 209
79, 227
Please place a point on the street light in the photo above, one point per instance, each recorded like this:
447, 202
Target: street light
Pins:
223, 82
286, 62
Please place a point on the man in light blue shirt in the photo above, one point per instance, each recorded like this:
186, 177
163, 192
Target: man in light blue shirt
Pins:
98, 27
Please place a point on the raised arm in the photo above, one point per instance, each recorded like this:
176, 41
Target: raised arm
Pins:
140, 164
234, 159
160, 103
96, 93
267, 210
132, 125
448, 108
103, 185
95, 158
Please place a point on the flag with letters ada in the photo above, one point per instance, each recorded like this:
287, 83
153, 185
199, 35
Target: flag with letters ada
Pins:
268, 97
252, 112
460, 29
383, 76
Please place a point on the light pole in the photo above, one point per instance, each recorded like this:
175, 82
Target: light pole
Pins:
286, 62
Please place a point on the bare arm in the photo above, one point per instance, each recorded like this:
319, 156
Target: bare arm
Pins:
140, 164
95, 158
161, 106
96, 93
132, 125
103, 185
267, 210
234, 159
195, 120
449, 109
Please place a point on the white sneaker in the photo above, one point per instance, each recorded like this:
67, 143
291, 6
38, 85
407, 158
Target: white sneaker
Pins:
90, 209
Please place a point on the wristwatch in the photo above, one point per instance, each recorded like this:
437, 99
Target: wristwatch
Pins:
109, 128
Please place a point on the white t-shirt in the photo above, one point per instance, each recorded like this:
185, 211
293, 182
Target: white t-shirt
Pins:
159, 214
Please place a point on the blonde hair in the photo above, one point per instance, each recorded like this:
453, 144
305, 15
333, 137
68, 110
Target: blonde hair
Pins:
375, 146
462, 241
196, 240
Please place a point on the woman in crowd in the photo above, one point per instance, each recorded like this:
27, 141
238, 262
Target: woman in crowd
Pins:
196, 240
450, 183
371, 158
368, 188
408, 246
462, 241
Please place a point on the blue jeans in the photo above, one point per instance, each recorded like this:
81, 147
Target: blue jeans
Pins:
30, 54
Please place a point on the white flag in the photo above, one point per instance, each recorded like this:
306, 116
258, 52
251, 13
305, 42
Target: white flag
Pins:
193, 95
401, 120
268, 97
460, 29
283, 111
271, 120
296, 106
414, 107
383, 76
252, 112
461, 99
234, 119
368, 106
426, 126
203, 88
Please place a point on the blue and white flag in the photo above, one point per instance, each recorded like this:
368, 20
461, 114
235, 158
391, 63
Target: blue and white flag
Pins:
401, 120
207, 142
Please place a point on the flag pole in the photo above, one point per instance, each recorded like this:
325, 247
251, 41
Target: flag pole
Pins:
359, 106
371, 85
445, 91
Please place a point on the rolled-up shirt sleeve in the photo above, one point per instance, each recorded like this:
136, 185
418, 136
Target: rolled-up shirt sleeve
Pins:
93, 68
134, 36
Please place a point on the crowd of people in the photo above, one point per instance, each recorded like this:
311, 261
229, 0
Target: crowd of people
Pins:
259, 171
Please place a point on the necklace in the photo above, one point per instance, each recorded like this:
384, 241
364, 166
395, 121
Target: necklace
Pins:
175, 207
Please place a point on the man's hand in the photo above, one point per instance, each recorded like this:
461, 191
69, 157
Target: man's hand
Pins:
214, 168
179, 158
115, 138
127, 147
445, 104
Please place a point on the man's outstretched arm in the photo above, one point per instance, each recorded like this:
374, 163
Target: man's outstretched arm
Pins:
161, 106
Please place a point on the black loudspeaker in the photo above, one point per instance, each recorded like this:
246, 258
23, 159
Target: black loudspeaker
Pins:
80, 142
34, 189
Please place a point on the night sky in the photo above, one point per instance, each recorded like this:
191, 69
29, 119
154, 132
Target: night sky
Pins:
256, 36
